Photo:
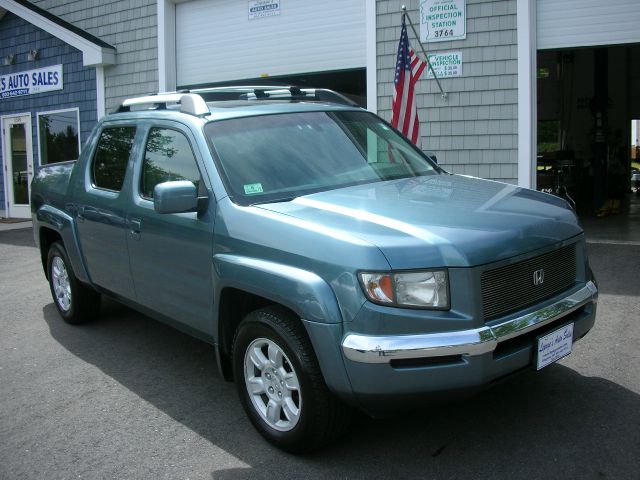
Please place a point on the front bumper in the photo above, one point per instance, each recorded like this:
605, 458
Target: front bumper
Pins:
479, 341
390, 372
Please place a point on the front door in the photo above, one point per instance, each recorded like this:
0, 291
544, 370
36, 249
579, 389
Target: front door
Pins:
171, 254
16, 134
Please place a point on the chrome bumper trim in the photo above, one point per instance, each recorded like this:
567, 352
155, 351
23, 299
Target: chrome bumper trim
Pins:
382, 349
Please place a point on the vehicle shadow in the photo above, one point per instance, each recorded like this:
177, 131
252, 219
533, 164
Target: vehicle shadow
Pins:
554, 423
21, 237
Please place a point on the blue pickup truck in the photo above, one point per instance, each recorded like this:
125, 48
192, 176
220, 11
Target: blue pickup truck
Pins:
331, 264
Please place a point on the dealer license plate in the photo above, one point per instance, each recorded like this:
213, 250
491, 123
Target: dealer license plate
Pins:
555, 345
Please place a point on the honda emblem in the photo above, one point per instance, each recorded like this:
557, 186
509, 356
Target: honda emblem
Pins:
538, 277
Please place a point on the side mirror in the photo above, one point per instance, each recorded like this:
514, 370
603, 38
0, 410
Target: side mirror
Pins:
175, 197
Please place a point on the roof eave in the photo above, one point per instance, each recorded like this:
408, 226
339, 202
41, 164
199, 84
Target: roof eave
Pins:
93, 55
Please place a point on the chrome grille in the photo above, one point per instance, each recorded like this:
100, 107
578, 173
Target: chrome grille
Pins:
511, 288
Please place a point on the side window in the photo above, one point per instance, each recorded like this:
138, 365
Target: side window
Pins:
167, 157
111, 157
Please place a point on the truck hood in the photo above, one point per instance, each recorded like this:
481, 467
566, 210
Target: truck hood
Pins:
440, 220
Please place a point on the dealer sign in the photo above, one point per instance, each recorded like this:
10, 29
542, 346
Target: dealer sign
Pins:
263, 8
30, 82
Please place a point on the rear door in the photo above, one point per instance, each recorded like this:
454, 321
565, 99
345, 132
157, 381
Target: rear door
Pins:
171, 254
101, 208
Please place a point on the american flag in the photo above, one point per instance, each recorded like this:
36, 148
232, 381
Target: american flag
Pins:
404, 115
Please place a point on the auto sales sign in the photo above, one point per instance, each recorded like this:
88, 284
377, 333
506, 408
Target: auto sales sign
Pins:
30, 82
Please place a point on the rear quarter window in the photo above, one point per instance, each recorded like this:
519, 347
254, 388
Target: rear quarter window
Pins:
111, 157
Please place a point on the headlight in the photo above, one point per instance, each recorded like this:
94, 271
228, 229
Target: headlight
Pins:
421, 289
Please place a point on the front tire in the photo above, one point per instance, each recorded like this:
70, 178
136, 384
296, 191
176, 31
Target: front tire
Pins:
280, 384
76, 302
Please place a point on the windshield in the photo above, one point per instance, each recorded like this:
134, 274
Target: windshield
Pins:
279, 157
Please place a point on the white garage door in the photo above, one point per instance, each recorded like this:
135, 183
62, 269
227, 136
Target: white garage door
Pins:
217, 41
581, 23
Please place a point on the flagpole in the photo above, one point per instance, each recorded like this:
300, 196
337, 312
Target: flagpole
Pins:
406, 15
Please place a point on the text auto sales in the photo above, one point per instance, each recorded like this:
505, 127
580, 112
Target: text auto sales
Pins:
29, 82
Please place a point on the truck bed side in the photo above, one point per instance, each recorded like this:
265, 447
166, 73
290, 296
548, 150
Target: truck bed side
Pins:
52, 219
50, 185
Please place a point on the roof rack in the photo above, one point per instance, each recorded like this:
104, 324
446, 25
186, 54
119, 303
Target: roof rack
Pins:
280, 92
190, 103
193, 102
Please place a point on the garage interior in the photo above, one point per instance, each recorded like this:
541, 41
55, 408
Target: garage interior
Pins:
587, 99
351, 82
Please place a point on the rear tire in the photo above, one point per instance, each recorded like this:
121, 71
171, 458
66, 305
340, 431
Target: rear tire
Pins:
76, 302
280, 384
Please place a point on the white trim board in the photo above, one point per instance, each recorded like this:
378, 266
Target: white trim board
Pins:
166, 45
372, 72
100, 95
527, 96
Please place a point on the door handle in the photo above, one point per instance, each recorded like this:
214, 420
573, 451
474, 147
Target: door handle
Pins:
134, 226
80, 213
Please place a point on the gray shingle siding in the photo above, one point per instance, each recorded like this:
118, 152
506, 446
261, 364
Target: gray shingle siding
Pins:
473, 131
18, 36
131, 27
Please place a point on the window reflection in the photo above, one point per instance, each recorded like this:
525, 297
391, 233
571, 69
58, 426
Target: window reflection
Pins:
58, 136
168, 157
111, 157
18, 156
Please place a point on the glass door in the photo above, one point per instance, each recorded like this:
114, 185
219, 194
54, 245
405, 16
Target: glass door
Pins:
16, 132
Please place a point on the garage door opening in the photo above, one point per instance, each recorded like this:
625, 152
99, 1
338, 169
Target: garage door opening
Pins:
351, 83
587, 99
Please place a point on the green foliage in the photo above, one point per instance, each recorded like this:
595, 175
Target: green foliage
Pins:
548, 136
112, 156
57, 145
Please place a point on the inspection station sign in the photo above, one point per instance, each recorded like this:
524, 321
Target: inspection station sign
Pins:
263, 8
30, 82
447, 64
443, 20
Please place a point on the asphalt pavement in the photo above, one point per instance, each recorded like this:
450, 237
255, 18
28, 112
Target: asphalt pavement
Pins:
125, 397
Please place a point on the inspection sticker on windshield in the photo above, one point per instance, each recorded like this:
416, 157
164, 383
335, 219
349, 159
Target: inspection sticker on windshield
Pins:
252, 188
555, 345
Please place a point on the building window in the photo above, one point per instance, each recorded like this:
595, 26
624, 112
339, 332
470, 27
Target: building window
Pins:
58, 136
